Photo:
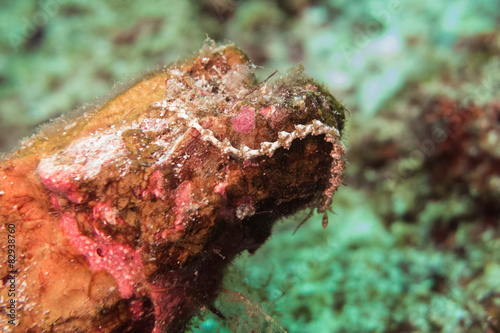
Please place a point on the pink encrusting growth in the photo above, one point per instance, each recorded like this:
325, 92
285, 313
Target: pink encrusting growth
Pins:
121, 261
155, 187
245, 121
220, 188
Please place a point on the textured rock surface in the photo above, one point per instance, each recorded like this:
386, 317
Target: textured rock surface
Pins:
126, 215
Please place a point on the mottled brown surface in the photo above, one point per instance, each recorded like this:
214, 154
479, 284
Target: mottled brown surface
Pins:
126, 215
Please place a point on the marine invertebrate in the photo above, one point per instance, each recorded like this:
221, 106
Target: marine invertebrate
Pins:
125, 216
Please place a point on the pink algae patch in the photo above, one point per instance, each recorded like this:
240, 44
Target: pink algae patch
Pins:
245, 120
154, 189
121, 261
220, 188
155, 186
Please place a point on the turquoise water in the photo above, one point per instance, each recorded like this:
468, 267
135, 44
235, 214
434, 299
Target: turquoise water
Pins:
410, 247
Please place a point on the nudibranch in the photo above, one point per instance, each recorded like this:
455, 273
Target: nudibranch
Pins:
121, 219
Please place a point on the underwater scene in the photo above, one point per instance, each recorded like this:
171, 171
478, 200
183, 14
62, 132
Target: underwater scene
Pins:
314, 166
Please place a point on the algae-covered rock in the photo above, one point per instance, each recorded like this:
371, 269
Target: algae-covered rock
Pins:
123, 218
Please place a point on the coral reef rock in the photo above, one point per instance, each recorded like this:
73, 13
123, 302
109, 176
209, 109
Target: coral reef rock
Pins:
122, 218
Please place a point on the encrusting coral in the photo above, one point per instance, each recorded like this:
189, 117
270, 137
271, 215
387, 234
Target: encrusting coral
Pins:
124, 216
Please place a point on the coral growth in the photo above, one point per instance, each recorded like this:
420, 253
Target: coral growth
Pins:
126, 215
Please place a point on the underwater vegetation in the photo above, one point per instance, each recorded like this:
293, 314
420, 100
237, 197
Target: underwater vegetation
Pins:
122, 219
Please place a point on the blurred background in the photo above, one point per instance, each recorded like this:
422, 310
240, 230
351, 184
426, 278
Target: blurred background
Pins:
413, 244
